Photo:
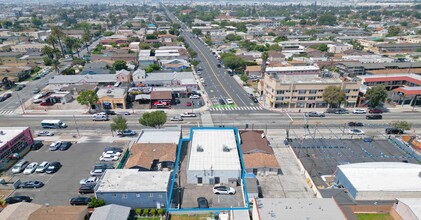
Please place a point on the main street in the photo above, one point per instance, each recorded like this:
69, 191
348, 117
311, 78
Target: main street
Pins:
219, 84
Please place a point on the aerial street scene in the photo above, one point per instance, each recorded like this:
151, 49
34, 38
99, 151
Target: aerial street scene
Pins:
210, 110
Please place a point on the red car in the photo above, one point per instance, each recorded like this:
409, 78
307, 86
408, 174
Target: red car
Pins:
46, 103
375, 111
188, 103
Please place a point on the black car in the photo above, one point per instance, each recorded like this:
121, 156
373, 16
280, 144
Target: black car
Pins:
80, 201
393, 131
109, 112
103, 166
5, 96
177, 101
65, 145
53, 167
355, 124
114, 149
31, 184
19, 87
374, 117
218, 65
202, 202
221, 101
85, 189
254, 99
342, 111
37, 145
16, 199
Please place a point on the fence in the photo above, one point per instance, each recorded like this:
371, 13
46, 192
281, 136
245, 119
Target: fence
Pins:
123, 159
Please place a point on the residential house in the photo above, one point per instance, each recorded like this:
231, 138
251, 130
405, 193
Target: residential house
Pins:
112, 98
152, 156
258, 156
338, 48
28, 47
33, 59
254, 70
111, 212
10, 57
21, 210
134, 188
60, 212
139, 76
123, 76
97, 79
15, 74
174, 64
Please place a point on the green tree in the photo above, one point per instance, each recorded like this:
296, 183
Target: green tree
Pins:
195, 62
334, 96
153, 119
322, 47
404, 125
233, 62
96, 202
327, 19
87, 98
68, 71
280, 39
57, 33
119, 123
376, 95
197, 31
393, 31
108, 33
151, 37
86, 38
120, 65
49, 51
70, 44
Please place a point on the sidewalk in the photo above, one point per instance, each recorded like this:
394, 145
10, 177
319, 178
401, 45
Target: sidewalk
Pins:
303, 110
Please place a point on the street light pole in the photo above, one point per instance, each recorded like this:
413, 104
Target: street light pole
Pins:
77, 129
21, 104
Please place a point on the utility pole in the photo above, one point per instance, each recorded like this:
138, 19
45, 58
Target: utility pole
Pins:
21, 104
77, 129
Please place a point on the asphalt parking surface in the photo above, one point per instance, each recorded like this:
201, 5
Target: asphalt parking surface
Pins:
63, 185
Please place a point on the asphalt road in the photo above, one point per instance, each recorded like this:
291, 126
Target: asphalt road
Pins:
219, 84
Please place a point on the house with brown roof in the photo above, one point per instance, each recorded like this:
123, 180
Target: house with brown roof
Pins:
17, 211
60, 212
152, 156
258, 156
254, 70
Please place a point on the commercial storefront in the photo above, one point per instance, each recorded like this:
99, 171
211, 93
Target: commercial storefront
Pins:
13, 141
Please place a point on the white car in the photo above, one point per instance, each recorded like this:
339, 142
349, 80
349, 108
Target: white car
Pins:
111, 153
42, 167
55, 146
176, 118
355, 132
97, 172
194, 97
30, 168
108, 158
188, 114
229, 101
45, 133
89, 181
359, 111
221, 189
202, 80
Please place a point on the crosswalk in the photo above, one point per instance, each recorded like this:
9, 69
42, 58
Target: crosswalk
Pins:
7, 112
242, 108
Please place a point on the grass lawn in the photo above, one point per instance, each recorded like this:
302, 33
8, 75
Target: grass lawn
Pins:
191, 217
374, 216
148, 218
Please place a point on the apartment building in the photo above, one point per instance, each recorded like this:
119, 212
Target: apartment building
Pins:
306, 91
28, 48
293, 70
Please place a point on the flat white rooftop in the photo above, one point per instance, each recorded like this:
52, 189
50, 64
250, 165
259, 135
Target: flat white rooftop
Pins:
132, 180
414, 204
291, 68
383, 176
207, 150
160, 136
8, 133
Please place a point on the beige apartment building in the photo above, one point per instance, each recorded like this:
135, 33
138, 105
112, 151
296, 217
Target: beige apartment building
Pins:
304, 91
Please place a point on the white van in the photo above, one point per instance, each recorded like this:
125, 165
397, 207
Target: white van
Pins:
99, 117
117, 84
20, 166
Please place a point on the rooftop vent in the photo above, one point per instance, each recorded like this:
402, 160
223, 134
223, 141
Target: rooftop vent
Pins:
109, 91
1, 132
199, 148
225, 148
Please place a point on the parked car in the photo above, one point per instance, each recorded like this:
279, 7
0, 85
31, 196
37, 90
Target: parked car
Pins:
20, 87
375, 111
109, 112
373, 117
65, 145
37, 145
176, 118
42, 167
54, 146
44, 103
221, 102
254, 99
111, 153
221, 189
126, 132
188, 103
31, 184
355, 132
177, 101
53, 167
5, 96
17, 199
89, 181
393, 131
355, 124
103, 166
30, 168
194, 97
218, 65
97, 172
230, 102
45, 133
36, 90
341, 111
80, 201
123, 113
359, 111
85, 189
188, 114
115, 149
20, 166
315, 114
108, 158
202, 202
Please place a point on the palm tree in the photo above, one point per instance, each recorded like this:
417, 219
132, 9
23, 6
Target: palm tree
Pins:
70, 42
58, 33
86, 37
49, 51
265, 57
76, 45
51, 40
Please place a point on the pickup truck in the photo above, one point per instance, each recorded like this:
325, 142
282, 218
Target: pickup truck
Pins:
188, 114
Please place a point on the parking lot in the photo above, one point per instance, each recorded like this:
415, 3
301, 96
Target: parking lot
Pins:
190, 192
63, 185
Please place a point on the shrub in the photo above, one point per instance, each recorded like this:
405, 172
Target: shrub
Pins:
160, 211
145, 212
138, 211
152, 212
